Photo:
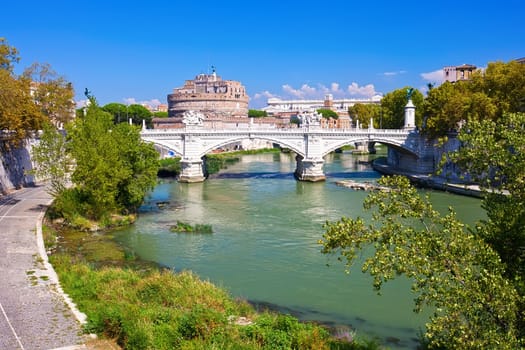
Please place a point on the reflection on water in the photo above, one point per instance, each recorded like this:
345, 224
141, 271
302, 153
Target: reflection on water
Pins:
264, 247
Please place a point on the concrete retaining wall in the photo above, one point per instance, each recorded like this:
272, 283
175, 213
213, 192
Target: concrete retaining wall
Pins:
14, 164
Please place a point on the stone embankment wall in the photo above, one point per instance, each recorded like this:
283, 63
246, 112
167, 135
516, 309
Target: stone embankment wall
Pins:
15, 162
429, 157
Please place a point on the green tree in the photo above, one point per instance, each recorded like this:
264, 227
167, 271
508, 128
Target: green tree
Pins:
138, 113
19, 115
450, 105
142, 161
119, 112
393, 108
52, 93
254, 113
328, 113
114, 168
362, 112
160, 114
8, 56
504, 84
453, 271
52, 159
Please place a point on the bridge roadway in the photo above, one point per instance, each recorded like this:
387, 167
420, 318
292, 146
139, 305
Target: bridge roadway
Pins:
310, 143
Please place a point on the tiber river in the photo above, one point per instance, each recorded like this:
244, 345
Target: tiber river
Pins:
264, 247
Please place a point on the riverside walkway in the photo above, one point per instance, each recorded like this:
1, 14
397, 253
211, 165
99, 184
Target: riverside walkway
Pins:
33, 311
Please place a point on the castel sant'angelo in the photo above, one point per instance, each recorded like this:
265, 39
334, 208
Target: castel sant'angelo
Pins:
211, 95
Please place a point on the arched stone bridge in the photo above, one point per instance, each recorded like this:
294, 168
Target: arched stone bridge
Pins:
310, 143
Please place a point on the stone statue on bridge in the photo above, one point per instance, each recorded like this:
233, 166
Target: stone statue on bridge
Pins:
310, 118
193, 118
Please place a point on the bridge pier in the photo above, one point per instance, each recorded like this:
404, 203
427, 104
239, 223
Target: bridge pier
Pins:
309, 169
192, 170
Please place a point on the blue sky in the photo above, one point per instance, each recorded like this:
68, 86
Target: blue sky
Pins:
138, 51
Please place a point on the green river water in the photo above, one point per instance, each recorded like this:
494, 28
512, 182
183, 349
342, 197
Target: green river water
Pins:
264, 247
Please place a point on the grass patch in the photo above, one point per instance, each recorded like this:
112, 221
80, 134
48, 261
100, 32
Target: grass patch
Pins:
184, 227
163, 310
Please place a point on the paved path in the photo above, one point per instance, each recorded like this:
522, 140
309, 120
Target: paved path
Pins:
33, 313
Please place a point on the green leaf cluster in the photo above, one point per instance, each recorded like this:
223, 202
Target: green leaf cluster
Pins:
454, 271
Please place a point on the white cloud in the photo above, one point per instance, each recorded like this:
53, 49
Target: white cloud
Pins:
305, 91
362, 91
334, 87
433, 77
264, 94
133, 101
318, 93
391, 74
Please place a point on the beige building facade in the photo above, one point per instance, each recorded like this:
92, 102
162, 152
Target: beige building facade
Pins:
458, 73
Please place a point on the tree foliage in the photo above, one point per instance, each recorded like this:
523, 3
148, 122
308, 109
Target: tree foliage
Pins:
328, 113
114, 168
52, 93
504, 84
119, 111
363, 112
19, 115
28, 101
51, 159
489, 94
453, 271
8, 56
255, 113
393, 108
138, 113
448, 106
493, 154
160, 114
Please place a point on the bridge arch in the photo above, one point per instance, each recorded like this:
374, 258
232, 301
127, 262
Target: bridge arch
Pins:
389, 142
165, 145
222, 143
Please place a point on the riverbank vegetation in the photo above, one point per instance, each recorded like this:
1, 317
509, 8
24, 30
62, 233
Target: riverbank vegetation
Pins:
141, 306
